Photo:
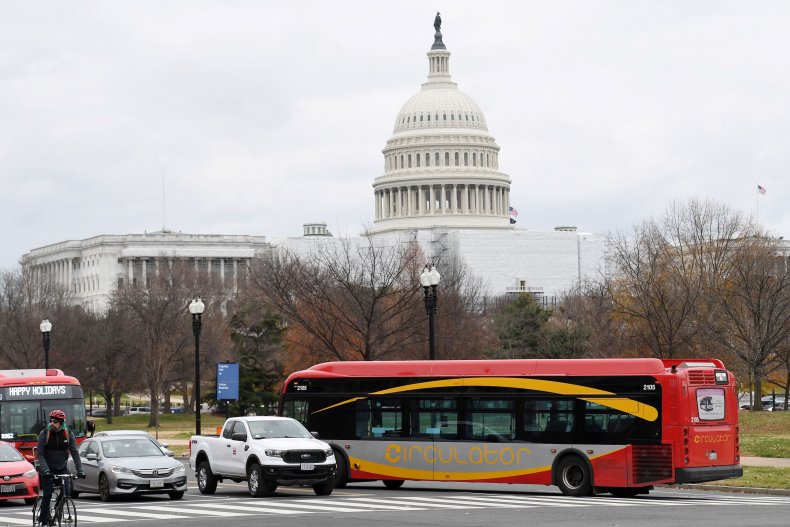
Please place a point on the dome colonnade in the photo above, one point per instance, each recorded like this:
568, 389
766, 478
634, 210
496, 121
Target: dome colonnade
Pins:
441, 164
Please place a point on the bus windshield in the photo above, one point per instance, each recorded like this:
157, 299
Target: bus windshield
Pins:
24, 420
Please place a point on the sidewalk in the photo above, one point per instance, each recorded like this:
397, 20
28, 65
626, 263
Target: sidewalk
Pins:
776, 462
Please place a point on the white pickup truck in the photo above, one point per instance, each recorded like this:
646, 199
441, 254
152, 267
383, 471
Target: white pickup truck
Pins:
264, 451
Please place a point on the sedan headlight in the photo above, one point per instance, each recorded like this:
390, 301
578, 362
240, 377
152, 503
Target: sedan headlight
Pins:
180, 468
329, 452
30, 473
122, 470
274, 453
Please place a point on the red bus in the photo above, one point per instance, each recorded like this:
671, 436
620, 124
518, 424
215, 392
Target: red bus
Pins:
26, 399
586, 425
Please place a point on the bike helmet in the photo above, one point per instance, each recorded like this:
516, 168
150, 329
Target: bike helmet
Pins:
58, 414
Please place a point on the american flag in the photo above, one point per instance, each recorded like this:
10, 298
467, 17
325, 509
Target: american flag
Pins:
760, 189
513, 212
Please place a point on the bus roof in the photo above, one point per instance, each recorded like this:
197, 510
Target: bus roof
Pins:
35, 376
515, 367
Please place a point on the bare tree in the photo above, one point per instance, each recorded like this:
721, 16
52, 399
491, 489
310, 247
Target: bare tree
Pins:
755, 306
158, 317
26, 298
347, 299
664, 271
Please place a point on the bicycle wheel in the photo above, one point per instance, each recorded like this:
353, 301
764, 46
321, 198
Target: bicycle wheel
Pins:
36, 511
68, 514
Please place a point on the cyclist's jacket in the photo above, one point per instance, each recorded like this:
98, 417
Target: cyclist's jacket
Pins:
54, 448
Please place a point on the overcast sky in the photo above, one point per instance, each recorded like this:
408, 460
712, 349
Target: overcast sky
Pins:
265, 115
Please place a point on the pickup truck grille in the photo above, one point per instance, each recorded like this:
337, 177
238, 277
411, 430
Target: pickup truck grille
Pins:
304, 456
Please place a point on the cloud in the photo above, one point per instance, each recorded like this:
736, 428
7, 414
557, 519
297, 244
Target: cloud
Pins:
264, 115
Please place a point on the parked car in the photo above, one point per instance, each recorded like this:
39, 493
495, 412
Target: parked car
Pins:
176, 409
134, 410
265, 452
770, 404
164, 446
18, 477
127, 464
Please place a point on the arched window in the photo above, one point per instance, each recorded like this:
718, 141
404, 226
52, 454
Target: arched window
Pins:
447, 159
409, 160
401, 161
408, 119
437, 116
456, 159
452, 117
420, 117
488, 160
466, 159
444, 117
417, 157
436, 159
429, 118
474, 159
467, 116
427, 159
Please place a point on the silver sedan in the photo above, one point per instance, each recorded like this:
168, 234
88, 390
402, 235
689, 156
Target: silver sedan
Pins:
121, 465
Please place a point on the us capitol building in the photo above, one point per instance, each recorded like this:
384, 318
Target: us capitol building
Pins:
441, 187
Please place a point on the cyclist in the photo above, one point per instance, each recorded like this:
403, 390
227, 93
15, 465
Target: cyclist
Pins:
55, 443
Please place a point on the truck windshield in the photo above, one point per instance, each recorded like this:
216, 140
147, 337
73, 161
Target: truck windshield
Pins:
279, 428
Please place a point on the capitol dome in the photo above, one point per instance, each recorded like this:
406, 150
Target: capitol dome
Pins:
441, 166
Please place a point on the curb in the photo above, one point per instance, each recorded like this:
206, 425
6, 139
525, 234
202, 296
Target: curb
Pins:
726, 488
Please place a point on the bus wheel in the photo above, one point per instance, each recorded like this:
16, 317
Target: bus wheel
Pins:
573, 477
341, 473
626, 492
393, 483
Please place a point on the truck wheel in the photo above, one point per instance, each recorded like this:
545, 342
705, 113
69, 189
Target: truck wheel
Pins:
573, 477
341, 473
207, 482
324, 488
258, 484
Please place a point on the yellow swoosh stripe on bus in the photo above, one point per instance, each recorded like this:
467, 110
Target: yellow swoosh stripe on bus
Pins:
412, 473
628, 406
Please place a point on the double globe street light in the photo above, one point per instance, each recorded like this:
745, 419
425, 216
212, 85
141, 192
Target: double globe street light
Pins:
45, 327
196, 307
429, 279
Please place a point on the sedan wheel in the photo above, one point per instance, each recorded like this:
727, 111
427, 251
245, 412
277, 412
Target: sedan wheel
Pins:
104, 488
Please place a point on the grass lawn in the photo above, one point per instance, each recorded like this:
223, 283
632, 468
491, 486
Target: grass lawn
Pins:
759, 477
765, 434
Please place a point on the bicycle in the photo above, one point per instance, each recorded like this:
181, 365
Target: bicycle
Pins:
62, 510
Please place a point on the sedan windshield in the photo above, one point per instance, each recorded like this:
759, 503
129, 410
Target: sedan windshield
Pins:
9, 453
278, 428
131, 447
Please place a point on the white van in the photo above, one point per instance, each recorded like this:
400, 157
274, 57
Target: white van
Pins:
139, 410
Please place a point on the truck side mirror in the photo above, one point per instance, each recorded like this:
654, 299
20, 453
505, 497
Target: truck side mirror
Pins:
314, 434
239, 436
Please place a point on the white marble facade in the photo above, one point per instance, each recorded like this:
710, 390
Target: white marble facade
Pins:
94, 267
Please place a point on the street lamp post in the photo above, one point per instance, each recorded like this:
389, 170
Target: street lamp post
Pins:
46, 327
196, 308
429, 279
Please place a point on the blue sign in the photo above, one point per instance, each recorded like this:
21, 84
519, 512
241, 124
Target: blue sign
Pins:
227, 381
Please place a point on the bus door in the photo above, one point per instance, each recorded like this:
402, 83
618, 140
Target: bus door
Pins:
433, 422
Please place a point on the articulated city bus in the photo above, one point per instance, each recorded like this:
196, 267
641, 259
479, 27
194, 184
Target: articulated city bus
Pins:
26, 399
586, 425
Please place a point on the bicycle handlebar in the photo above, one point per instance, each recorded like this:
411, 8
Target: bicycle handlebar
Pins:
64, 476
